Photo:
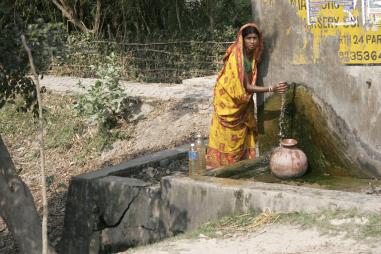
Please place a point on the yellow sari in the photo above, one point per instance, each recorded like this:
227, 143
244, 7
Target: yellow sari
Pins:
233, 127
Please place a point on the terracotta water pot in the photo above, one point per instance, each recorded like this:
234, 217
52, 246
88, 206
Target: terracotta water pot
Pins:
287, 161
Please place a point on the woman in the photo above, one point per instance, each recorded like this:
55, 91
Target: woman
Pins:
232, 131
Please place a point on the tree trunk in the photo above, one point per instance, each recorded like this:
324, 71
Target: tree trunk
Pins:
17, 207
69, 13
178, 16
97, 19
210, 4
145, 24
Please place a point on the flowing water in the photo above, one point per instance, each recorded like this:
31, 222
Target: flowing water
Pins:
281, 118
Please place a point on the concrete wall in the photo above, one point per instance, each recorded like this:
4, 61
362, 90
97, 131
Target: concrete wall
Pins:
207, 198
352, 93
107, 211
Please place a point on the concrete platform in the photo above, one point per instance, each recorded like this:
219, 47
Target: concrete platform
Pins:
107, 211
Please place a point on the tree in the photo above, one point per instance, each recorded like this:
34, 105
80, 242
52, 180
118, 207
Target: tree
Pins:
17, 207
76, 17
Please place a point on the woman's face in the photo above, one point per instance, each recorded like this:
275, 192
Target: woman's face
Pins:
251, 41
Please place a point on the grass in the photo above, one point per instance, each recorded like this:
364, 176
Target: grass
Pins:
234, 224
14, 123
352, 224
65, 130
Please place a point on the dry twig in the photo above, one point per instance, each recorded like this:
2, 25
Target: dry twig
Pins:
42, 153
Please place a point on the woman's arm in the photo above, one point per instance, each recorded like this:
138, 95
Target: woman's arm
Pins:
281, 87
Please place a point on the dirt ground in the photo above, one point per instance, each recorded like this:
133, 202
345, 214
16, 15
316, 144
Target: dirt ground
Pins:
163, 116
274, 239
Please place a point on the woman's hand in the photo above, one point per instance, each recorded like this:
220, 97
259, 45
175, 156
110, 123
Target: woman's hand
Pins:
281, 87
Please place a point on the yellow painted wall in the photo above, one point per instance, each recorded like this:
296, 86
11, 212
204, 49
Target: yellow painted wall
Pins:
359, 39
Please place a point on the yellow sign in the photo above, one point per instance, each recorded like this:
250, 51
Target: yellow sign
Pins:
356, 24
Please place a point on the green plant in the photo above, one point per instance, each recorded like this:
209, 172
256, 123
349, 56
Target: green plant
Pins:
49, 180
355, 224
103, 101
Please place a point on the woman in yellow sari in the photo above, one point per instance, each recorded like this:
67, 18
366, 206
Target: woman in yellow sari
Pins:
233, 128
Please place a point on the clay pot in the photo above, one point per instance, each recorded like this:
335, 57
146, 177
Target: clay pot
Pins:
287, 161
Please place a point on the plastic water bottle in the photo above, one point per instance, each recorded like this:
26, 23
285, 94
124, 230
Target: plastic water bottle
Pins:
193, 159
200, 148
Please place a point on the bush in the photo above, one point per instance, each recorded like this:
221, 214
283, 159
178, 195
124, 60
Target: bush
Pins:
103, 101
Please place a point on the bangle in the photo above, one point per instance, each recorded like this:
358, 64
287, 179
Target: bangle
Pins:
270, 89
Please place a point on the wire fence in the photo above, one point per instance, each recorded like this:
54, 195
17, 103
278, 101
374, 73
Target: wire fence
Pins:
150, 62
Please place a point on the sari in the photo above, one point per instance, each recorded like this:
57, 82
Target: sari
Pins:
233, 126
